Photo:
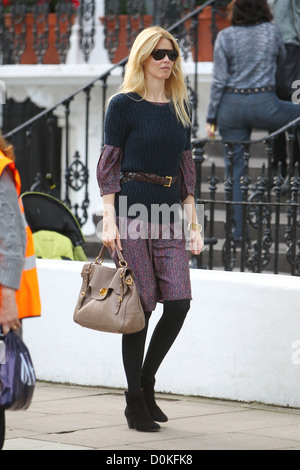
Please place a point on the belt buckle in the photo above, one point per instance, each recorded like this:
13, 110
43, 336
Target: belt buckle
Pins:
170, 181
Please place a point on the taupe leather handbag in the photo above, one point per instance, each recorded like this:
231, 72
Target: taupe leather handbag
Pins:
109, 300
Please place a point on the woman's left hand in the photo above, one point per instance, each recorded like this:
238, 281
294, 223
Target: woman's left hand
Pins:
9, 318
196, 242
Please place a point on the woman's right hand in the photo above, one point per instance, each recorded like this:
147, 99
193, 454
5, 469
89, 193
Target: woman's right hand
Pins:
211, 130
111, 234
110, 231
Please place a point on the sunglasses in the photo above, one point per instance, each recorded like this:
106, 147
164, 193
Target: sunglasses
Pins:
159, 54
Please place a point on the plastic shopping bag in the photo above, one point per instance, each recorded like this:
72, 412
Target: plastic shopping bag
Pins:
17, 376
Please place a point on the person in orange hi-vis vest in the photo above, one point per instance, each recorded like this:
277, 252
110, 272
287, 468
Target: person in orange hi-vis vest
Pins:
19, 289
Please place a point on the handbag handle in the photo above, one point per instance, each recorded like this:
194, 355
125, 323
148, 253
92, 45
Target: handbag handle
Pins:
121, 258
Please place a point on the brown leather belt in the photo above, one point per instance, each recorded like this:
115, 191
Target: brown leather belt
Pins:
148, 178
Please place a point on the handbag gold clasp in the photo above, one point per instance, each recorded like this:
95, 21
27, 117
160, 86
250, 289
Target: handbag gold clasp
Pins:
129, 281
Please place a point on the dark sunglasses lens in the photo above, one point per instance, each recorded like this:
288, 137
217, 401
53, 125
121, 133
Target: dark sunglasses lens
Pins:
172, 55
159, 54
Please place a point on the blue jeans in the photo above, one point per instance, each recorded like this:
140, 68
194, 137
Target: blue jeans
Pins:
238, 115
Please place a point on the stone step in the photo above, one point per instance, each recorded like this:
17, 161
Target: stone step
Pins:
219, 226
255, 168
219, 196
256, 149
284, 266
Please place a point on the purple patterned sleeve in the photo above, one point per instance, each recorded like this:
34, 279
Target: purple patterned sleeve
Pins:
187, 175
109, 169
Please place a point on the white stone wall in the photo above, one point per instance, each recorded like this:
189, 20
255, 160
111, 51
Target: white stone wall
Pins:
240, 341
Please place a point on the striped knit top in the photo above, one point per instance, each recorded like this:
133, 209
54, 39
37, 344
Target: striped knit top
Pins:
12, 234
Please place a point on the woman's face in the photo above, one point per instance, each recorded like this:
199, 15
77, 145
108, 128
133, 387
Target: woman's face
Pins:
159, 69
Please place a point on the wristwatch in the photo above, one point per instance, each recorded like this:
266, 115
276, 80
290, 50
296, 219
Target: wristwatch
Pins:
192, 226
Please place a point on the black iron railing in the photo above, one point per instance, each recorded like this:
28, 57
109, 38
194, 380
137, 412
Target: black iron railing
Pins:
270, 240
39, 31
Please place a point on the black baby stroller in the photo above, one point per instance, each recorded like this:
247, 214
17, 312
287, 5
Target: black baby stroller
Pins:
56, 232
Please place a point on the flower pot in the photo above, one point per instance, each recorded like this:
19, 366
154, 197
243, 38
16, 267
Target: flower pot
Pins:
205, 47
122, 50
29, 56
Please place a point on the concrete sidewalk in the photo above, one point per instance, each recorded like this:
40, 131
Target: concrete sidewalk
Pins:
63, 417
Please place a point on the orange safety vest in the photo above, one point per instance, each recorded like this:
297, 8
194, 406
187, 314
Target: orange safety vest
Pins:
28, 296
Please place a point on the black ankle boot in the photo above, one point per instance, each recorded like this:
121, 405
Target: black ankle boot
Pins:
137, 414
154, 410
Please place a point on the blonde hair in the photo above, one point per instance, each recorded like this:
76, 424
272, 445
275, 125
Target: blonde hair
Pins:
7, 148
134, 79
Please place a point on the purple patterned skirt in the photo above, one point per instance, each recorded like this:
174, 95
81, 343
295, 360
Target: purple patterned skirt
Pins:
158, 257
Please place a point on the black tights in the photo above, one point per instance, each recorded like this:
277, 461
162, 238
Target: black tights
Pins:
164, 335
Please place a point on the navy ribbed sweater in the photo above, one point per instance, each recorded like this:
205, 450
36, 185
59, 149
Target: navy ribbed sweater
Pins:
152, 141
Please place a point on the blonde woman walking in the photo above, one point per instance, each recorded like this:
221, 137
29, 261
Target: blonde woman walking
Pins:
147, 163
